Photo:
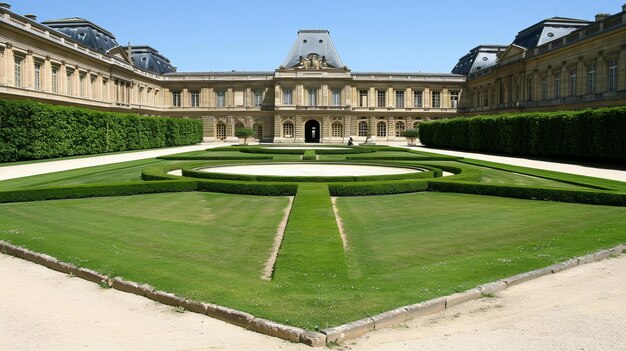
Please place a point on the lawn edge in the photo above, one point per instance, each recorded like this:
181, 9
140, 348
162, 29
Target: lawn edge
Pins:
337, 334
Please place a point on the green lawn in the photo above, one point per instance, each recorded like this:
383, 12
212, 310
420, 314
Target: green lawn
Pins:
402, 248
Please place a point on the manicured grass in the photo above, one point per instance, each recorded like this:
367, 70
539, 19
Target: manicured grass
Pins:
402, 248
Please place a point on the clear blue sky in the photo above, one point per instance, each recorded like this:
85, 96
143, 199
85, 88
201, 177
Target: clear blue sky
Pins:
400, 36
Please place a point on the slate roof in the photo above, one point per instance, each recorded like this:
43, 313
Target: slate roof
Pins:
313, 41
85, 32
149, 59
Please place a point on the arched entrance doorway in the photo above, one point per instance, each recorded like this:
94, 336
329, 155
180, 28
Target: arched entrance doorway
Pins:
312, 131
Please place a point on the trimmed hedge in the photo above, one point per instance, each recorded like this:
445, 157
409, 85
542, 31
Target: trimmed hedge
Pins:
309, 155
588, 134
213, 158
378, 188
534, 193
96, 190
248, 188
31, 130
320, 151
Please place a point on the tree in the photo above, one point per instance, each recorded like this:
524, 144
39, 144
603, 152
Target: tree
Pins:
244, 133
410, 135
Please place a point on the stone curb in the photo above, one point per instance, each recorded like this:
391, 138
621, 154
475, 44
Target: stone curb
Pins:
336, 334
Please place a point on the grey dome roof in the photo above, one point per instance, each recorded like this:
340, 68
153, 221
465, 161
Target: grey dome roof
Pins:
148, 59
547, 30
85, 32
313, 42
478, 58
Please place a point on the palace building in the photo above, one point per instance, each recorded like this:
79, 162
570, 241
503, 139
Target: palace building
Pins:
313, 96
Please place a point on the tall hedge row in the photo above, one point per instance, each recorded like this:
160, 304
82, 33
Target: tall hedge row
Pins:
31, 130
597, 135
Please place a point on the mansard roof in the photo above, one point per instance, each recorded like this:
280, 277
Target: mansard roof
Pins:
548, 30
313, 42
480, 57
149, 59
85, 32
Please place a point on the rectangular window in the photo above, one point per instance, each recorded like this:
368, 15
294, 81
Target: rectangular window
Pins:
287, 96
381, 98
336, 97
105, 89
176, 98
591, 78
454, 99
417, 99
82, 85
363, 98
544, 88
612, 64
37, 76
572, 82
399, 98
312, 92
557, 85
220, 100
92, 82
18, 71
195, 98
68, 82
436, 99
258, 98
54, 80
530, 90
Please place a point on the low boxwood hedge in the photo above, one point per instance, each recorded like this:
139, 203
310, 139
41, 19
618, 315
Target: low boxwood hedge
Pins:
96, 190
248, 188
214, 158
378, 187
534, 193
309, 155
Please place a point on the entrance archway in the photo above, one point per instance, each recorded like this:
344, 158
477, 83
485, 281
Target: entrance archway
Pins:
312, 131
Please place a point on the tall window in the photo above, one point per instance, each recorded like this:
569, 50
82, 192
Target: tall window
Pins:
312, 92
336, 98
544, 88
530, 90
258, 98
399, 128
287, 96
105, 89
454, 99
18, 71
362, 98
381, 98
81, 82
220, 130
362, 128
557, 85
220, 100
381, 129
68, 81
37, 76
572, 82
288, 130
92, 82
195, 98
336, 130
417, 99
436, 99
591, 78
54, 80
176, 98
258, 131
399, 98
239, 125
612, 64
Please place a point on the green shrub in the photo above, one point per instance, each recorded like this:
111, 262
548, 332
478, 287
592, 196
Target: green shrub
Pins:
534, 193
31, 130
377, 187
96, 190
588, 134
309, 155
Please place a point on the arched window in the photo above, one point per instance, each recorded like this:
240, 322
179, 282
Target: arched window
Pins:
363, 129
416, 124
381, 129
220, 131
336, 130
399, 128
258, 131
288, 130
238, 125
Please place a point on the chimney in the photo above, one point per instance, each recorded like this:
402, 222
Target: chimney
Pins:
5, 5
601, 16
31, 17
